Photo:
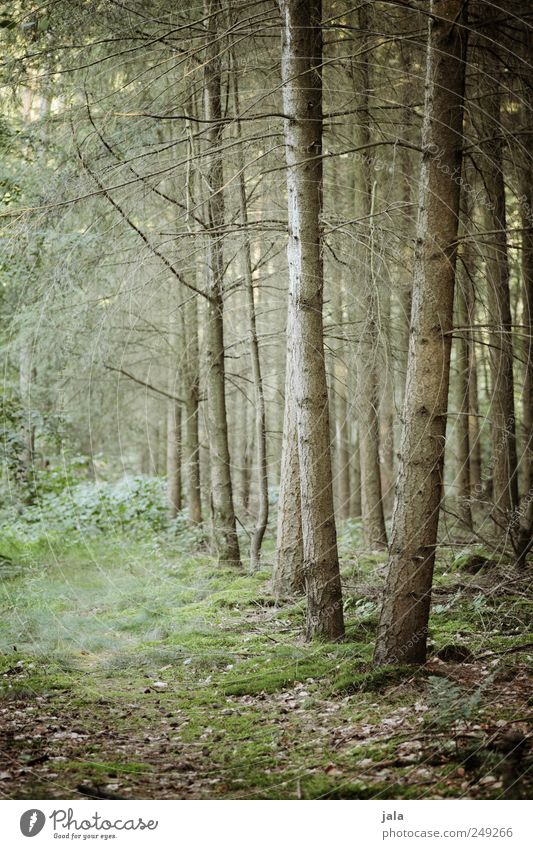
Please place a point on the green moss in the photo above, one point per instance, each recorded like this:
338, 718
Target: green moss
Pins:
373, 680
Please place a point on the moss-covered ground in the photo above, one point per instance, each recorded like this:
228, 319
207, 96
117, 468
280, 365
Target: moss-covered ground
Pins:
140, 669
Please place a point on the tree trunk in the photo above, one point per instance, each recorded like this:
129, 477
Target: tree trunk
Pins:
343, 425
368, 352
191, 392
526, 207
225, 538
402, 632
525, 517
26, 464
174, 459
259, 397
173, 429
526, 211
463, 361
302, 102
501, 413
407, 183
355, 485
386, 409
191, 369
288, 575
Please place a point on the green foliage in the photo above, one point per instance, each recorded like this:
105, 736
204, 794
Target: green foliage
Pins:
449, 702
11, 432
64, 505
364, 609
55, 479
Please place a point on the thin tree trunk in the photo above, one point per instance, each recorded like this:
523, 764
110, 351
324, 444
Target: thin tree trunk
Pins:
191, 368
526, 207
463, 360
474, 434
407, 181
191, 393
502, 415
288, 575
222, 510
525, 518
173, 429
343, 425
369, 346
355, 500
246, 451
26, 463
386, 411
332, 414
402, 632
174, 459
259, 397
302, 102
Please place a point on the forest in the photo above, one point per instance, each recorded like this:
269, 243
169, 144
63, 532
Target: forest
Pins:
266, 322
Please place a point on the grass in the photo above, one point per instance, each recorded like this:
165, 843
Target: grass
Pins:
160, 673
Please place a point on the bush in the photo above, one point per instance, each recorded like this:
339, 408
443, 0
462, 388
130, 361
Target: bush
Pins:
89, 506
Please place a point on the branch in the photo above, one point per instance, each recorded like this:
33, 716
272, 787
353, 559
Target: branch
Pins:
144, 383
137, 230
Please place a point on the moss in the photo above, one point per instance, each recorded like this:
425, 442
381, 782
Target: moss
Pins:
251, 678
99, 769
373, 680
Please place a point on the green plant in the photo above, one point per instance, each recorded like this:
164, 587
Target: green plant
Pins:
448, 702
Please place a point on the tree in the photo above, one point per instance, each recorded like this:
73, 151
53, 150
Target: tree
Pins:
502, 412
255, 360
223, 513
402, 631
302, 105
368, 351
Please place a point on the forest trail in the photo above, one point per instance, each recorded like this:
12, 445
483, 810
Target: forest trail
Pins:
154, 674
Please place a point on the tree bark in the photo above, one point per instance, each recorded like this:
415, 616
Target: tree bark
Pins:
302, 103
225, 538
402, 632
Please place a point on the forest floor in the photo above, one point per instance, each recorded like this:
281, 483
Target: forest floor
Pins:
133, 669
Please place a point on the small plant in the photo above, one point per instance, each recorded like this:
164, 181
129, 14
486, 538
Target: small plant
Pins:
448, 702
362, 607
